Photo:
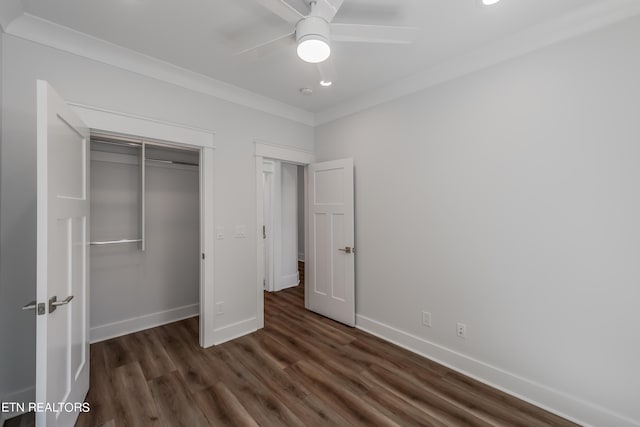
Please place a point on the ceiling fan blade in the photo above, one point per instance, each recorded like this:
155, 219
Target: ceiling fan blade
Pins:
326, 9
282, 9
277, 43
372, 33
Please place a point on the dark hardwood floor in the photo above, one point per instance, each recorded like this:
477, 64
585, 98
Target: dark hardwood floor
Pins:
301, 369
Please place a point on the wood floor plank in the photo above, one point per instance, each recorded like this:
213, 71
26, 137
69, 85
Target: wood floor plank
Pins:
328, 388
175, 402
302, 369
222, 407
150, 353
134, 397
424, 398
248, 352
310, 410
263, 405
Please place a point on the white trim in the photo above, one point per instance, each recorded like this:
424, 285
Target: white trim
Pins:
584, 20
283, 153
140, 323
100, 119
207, 247
286, 154
21, 396
47, 33
550, 399
235, 330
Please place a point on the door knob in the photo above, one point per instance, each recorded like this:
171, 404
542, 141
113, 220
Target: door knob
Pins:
54, 303
347, 249
33, 305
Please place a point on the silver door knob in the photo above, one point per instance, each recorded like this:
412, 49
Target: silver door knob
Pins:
347, 249
54, 303
33, 305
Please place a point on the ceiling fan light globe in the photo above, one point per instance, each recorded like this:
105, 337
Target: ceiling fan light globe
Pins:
313, 49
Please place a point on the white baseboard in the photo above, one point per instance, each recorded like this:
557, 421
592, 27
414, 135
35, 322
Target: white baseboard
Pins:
135, 324
552, 400
21, 396
235, 330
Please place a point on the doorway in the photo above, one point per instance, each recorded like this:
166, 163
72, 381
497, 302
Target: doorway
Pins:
145, 234
283, 228
299, 159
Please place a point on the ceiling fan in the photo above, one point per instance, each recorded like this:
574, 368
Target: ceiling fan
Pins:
314, 33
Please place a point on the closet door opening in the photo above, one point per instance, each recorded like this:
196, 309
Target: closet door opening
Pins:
145, 261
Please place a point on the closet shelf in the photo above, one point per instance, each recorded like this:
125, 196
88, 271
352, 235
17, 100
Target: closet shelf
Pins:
114, 242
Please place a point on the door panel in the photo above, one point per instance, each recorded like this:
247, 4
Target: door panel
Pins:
331, 261
62, 346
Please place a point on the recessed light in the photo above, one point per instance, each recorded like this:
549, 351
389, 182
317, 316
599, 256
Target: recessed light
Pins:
306, 91
489, 2
325, 83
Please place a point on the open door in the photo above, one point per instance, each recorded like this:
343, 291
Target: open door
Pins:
331, 281
62, 345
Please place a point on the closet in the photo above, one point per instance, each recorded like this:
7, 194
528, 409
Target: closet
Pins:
145, 235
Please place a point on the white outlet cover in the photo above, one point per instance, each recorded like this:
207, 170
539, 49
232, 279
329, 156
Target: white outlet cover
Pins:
461, 330
426, 318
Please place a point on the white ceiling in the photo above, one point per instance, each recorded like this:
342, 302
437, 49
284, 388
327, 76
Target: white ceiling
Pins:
203, 35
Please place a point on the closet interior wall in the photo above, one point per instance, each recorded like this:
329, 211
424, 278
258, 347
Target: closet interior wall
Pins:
153, 276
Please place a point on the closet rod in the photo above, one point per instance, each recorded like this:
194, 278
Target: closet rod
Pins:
123, 144
113, 242
175, 162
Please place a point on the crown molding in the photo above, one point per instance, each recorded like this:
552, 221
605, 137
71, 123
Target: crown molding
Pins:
41, 31
589, 18
584, 20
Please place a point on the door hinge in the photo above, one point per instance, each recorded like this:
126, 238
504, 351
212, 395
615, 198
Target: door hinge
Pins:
264, 232
203, 255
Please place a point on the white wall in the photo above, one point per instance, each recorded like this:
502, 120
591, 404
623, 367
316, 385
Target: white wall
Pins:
89, 82
509, 200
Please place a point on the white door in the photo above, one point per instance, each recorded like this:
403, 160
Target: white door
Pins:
62, 346
331, 281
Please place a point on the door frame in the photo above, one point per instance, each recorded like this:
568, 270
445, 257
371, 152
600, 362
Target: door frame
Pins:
107, 121
265, 150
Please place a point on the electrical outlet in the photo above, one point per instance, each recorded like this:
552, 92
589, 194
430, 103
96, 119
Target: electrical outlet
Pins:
461, 330
220, 308
426, 318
